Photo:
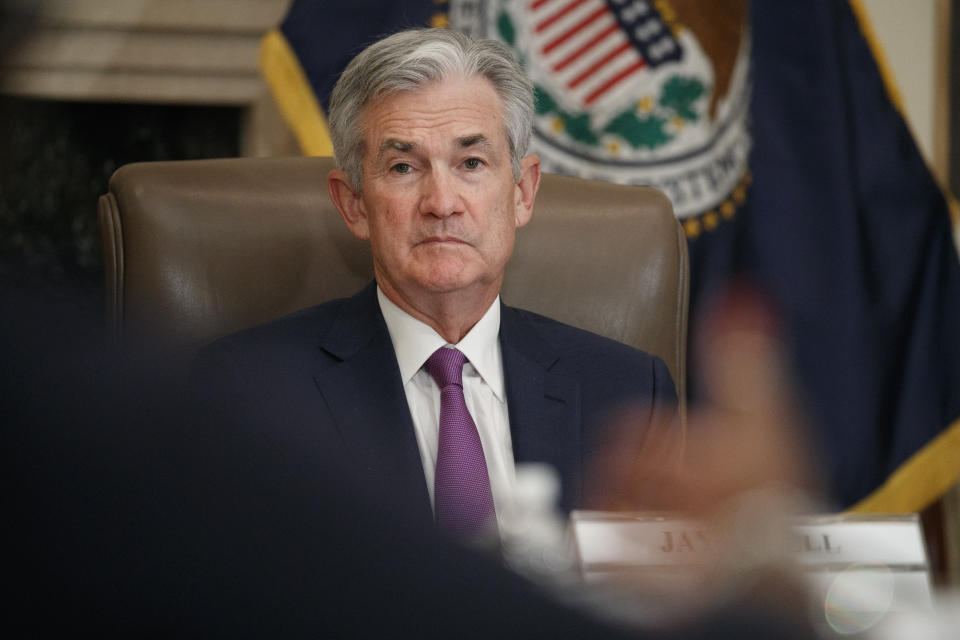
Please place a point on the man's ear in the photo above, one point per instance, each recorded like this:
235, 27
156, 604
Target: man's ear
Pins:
349, 203
526, 189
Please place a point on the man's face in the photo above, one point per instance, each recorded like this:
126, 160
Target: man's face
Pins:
438, 201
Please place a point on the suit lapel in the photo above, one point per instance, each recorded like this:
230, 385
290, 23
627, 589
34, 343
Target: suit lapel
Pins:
362, 388
544, 407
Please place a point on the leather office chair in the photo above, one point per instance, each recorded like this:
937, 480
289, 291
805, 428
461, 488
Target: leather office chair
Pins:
198, 249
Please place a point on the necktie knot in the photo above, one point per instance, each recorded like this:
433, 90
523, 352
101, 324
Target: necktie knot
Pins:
446, 367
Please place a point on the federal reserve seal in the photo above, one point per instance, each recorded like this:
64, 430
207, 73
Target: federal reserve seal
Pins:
646, 92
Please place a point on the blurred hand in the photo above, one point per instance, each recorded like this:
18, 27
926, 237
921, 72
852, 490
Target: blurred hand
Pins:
740, 470
746, 435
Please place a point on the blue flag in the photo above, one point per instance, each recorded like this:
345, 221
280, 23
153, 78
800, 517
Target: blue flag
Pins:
851, 234
770, 128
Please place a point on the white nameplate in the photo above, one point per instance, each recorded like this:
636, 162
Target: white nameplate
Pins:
894, 541
654, 540
839, 554
609, 541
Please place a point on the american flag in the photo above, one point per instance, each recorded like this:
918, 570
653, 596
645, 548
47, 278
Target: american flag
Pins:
593, 46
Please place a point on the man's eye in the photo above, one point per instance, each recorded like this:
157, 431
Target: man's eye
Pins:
473, 163
402, 168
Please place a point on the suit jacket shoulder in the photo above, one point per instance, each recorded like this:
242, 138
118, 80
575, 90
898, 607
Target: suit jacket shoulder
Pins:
324, 378
565, 387
589, 357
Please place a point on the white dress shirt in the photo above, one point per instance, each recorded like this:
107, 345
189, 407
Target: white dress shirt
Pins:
483, 390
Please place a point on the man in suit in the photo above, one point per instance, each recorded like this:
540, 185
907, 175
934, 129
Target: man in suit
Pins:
132, 515
431, 129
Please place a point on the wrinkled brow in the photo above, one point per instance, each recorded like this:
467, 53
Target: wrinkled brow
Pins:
395, 145
477, 139
404, 146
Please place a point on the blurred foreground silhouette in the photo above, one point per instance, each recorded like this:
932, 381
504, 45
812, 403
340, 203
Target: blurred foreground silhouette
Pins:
135, 509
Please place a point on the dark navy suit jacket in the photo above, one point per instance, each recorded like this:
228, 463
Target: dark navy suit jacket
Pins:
327, 377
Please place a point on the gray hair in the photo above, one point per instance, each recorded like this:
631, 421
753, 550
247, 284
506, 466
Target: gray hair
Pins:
412, 59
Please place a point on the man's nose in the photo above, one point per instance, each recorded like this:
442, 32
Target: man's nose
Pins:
439, 196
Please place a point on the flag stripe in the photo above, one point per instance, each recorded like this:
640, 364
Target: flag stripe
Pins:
577, 28
589, 71
545, 24
590, 44
609, 84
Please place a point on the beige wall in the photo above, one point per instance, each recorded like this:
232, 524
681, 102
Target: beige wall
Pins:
201, 52
914, 36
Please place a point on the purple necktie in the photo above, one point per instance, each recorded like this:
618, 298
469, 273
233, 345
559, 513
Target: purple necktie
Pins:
462, 497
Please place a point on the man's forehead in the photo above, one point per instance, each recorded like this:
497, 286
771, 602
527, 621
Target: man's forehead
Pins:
469, 141
383, 116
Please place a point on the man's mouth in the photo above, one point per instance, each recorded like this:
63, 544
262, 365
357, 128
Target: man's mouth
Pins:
442, 240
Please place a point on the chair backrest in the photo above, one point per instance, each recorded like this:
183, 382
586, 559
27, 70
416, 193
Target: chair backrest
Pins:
198, 249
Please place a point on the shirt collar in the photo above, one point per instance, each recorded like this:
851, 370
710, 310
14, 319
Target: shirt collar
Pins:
414, 341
